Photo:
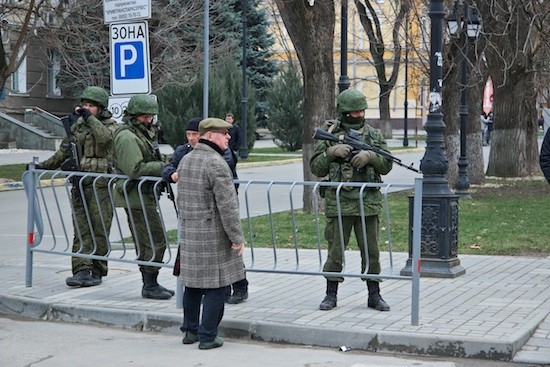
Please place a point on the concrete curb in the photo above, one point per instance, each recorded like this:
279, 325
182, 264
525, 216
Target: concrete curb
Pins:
373, 341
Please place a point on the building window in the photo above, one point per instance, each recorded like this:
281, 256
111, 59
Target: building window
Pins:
19, 77
54, 66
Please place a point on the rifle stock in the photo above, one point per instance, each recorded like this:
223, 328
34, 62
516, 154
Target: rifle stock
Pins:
357, 144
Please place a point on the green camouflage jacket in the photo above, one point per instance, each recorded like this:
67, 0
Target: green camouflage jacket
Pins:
94, 140
342, 171
136, 154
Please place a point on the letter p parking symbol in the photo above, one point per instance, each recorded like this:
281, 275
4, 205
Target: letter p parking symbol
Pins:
130, 60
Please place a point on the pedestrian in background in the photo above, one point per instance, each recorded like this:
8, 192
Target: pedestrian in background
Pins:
342, 164
137, 154
235, 133
545, 156
92, 132
238, 291
211, 237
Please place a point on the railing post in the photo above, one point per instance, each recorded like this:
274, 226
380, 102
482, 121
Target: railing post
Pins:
417, 228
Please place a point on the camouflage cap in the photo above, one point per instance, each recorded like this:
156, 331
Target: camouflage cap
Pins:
213, 124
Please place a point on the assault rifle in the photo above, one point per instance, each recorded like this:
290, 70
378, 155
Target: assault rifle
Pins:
352, 139
72, 163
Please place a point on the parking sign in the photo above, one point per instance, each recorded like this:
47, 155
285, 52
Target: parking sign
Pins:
130, 69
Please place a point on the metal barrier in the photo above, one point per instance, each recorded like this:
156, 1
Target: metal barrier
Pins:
50, 206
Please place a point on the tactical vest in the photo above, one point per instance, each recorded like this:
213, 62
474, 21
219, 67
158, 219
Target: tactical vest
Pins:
342, 170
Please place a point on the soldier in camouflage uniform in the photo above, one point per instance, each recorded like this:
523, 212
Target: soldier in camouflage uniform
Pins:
93, 134
342, 164
137, 154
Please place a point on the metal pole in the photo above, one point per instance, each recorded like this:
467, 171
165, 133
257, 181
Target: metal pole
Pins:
243, 150
462, 182
439, 205
406, 104
343, 82
417, 230
206, 58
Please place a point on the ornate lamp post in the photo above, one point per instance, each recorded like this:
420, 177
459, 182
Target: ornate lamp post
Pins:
467, 28
343, 82
439, 237
406, 104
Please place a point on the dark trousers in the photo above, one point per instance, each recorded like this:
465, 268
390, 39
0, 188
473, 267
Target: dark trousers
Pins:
213, 305
240, 286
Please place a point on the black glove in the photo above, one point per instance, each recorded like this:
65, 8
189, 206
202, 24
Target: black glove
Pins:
85, 113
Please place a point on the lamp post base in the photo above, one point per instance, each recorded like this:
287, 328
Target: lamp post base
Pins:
439, 237
435, 268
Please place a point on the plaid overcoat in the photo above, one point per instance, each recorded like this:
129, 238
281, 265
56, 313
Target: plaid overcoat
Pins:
209, 220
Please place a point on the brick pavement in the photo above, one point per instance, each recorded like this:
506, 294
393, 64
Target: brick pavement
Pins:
498, 310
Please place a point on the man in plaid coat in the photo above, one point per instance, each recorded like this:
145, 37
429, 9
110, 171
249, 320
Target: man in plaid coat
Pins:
211, 237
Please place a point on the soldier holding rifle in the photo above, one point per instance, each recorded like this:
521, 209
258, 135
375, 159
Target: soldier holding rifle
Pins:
88, 147
342, 163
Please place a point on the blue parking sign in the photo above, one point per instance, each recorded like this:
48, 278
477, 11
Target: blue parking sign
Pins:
130, 69
129, 56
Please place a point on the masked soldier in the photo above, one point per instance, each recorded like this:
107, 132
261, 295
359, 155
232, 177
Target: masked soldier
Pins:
342, 164
137, 154
93, 136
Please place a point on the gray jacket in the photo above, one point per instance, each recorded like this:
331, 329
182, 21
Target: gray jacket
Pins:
209, 219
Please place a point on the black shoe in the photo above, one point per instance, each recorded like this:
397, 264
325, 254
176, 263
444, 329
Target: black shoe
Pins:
378, 303
82, 278
190, 338
237, 297
216, 343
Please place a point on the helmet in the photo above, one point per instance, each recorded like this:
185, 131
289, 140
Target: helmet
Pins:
351, 100
142, 104
97, 95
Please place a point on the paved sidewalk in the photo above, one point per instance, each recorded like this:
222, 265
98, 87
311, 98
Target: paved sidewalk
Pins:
500, 305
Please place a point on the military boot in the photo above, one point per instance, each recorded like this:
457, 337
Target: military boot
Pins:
151, 289
330, 299
82, 278
375, 299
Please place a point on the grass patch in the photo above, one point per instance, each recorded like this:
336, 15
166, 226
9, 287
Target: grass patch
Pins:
12, 172
504, 217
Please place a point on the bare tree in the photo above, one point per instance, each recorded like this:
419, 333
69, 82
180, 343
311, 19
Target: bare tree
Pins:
17, 21
377, 46
175, 37
311, 29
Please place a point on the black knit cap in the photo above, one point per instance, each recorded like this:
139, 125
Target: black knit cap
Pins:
193, 124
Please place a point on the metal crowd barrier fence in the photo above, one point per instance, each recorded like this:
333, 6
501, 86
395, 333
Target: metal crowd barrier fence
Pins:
51, 225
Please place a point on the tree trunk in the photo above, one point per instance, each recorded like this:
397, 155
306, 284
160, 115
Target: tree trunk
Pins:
511, 41
514, 148
311, 29
385, 118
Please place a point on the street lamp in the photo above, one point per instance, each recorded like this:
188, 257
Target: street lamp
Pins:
406, 104
343, 81
467, 28
439, 237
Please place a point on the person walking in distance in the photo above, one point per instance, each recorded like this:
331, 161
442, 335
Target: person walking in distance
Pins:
234, 133
137, 154
342, 164
92, 134
211, 237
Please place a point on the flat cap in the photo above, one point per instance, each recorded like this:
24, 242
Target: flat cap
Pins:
213, 124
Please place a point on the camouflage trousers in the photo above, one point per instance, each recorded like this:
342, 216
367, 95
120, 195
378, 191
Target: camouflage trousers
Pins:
148, 235
91, 236
335, 258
